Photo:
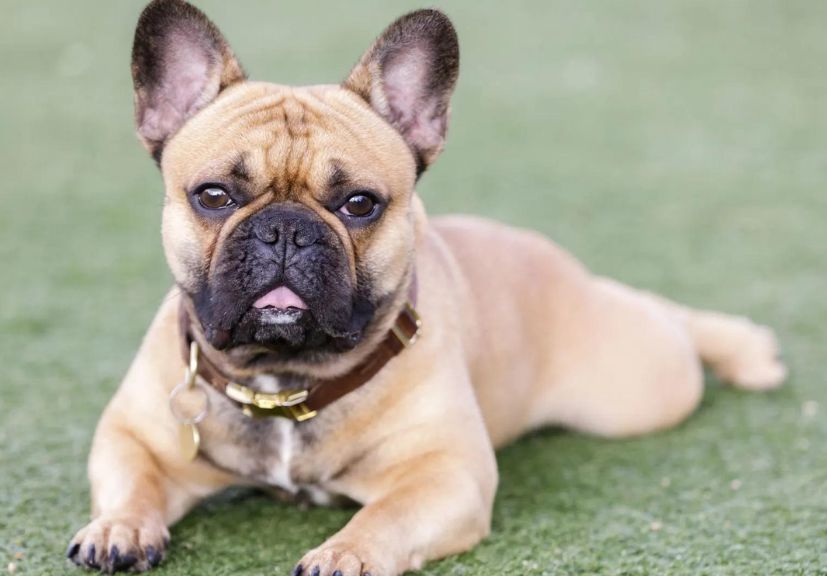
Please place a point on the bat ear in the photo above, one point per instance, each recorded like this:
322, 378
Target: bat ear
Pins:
180, 63
408, 76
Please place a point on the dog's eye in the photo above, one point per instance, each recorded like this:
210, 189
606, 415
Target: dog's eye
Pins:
358, 205
214, 198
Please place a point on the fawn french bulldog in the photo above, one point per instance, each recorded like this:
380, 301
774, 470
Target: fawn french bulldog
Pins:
326, 338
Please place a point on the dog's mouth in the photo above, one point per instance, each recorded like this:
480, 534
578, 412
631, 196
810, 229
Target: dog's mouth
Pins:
283, 322
280, 306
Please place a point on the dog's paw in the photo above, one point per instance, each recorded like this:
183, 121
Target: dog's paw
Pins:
755, 364
341, 559
112, 544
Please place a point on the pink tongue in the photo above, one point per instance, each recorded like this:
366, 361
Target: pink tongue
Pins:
281, 297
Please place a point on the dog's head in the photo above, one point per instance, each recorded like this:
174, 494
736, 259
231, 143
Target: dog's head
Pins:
289, 218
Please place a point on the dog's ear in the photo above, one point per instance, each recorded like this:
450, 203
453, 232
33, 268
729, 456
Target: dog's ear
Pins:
408, 76
180, 63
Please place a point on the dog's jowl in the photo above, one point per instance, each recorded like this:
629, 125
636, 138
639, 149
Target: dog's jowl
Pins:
326, 338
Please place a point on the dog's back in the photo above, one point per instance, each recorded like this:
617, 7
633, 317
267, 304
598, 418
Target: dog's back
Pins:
548, 343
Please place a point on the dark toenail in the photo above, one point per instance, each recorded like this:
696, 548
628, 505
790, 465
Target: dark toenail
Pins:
337, 573
152, 556
297, 571
90, 557
118, 562
316, 571
72, 549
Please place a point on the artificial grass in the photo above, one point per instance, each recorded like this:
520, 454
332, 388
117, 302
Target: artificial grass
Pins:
678, 146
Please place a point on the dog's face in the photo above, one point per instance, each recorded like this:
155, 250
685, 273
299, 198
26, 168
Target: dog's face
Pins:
289, 212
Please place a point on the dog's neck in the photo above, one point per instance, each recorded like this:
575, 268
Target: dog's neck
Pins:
295, 396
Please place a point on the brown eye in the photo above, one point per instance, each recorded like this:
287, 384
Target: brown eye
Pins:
358, 205
214, 198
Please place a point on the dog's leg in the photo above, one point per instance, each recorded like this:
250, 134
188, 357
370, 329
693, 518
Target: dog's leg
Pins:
416, 509
632, 363
739, 351
129, 498
136, 495
140, 481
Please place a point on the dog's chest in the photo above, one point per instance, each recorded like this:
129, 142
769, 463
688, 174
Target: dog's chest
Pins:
261, 450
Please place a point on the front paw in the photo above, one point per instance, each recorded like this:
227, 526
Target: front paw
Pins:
342, 559
114, 543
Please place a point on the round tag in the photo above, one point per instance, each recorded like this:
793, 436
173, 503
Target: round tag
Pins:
189, 404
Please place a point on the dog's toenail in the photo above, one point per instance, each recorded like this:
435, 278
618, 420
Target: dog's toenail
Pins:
297, 571
152, 556
127, 562
72, 549
337, 573
90, 557
316, 571
118, 562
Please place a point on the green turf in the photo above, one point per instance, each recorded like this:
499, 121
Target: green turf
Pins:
678, 146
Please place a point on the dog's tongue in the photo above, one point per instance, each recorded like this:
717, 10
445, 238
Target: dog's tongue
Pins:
281, 297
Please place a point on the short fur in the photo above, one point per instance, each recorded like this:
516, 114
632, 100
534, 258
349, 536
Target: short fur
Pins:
415, 445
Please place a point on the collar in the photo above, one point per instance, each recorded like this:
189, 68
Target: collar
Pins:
301, 404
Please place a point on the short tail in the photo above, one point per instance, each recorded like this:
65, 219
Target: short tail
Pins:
739, 351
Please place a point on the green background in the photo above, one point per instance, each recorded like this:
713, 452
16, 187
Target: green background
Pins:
678, 146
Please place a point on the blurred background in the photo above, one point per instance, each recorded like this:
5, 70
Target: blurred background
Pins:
680, 146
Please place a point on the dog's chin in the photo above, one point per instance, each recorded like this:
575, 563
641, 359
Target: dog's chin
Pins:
268, 335
277, 328
281, 329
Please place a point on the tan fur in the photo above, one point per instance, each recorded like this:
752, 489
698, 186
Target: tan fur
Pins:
546, 343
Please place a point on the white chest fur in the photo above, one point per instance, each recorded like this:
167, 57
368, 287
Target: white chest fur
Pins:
284, 437
261, 450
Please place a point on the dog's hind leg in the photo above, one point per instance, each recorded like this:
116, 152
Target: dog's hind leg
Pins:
631, 362
739, 351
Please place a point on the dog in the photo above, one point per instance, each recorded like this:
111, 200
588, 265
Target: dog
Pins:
327, 339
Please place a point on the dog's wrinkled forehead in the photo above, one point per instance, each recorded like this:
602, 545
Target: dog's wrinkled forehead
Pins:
393, 107
289, 142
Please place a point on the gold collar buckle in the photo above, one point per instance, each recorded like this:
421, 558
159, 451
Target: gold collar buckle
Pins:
286, 403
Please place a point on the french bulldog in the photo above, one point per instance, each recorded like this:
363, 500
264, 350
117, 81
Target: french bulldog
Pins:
326, 338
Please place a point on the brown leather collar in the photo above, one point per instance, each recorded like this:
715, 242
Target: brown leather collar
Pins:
301, 405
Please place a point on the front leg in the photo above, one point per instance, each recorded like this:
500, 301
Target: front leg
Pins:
136, 494
425, 507
140, 481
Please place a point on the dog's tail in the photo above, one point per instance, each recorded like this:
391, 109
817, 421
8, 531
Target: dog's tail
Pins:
737, 350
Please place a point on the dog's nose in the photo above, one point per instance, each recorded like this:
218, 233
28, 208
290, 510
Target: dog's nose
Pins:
291, 224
